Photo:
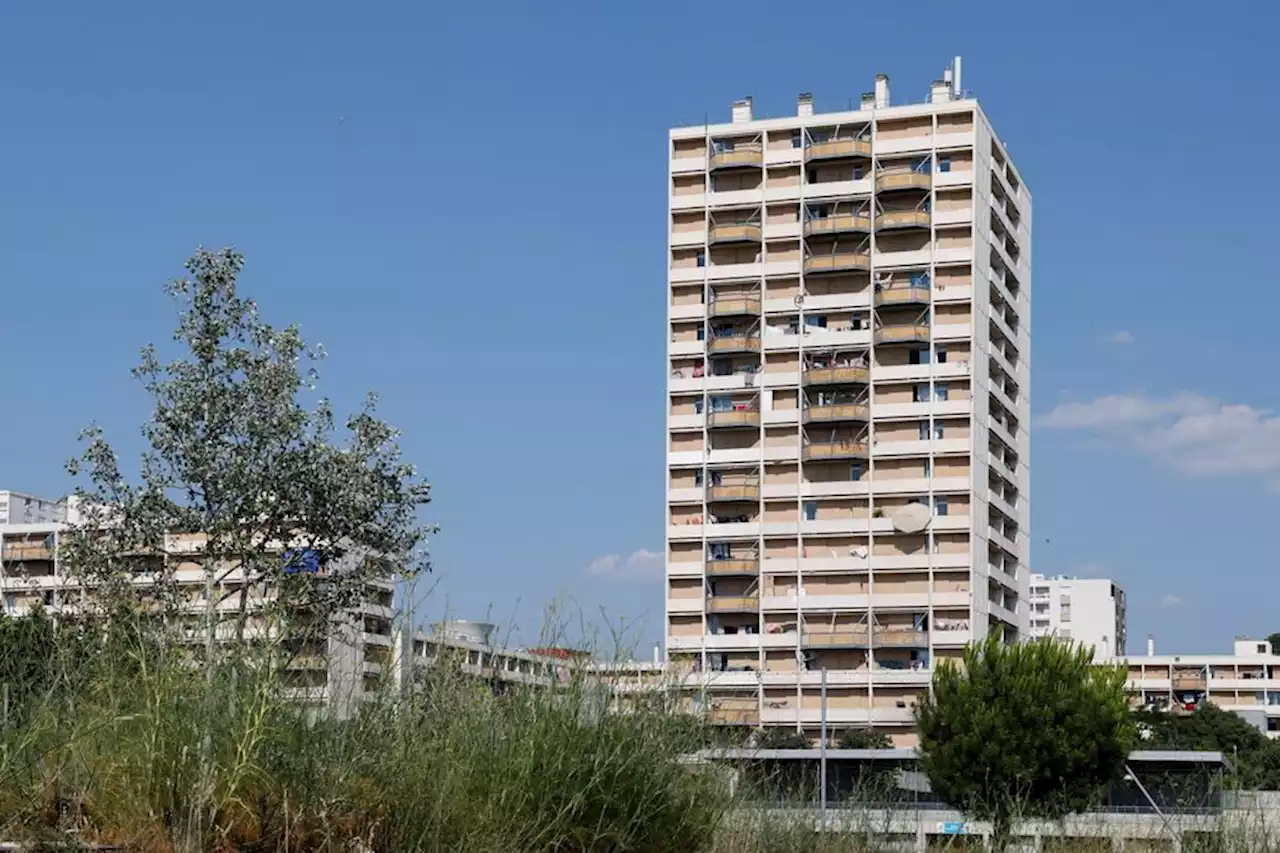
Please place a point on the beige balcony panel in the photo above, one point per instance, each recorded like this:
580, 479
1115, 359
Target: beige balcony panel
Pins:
737, 306
1189, 681
835, 450
735, 343
733, 604
733, 491
891, 296
744, 418
889, 181
856, 638
738, 566
902, 219
912, 334
27, 552
741, 156
837, 263
836, 375
734, 232
837, 412
734, 716
906, 637
839, 148
843, 223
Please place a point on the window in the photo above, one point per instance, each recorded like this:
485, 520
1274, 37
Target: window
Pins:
1064, 614
922, 167
920, 279
721, 404
924, 430
797, 139
811, 176
815, 322
941, 352
702, 332
918, 356
940, 505
819, 211
810, 510
857, 173
719, 550
944, 164
702, 259
723, 145
855, 470
920, 393
699, 405
938, 431
940, 391
928, 467
697, 477
722, 367
717, 477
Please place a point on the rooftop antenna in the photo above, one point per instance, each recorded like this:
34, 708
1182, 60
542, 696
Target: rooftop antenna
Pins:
956, 87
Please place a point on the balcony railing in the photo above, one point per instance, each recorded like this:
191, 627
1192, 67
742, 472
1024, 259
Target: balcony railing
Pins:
733, 604
901, 638
734, 306
734, 418
891, 181
840, 223
854, 638
835, 450
740, 156
734, 716
734, 343
27, 551
894, 219
734, 567
915, 333
838, 148
836, 412
837, 262
719, 492
890, 296
836, 375
734, 232
1189, 681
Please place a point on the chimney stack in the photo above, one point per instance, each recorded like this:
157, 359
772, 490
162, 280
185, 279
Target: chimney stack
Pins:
882, 91
804, 104
742, 110
939, 92
1151, 646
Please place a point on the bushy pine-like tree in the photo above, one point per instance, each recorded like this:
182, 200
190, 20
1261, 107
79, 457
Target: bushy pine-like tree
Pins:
1033, 730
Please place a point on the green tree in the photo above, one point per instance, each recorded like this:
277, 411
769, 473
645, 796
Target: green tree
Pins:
1032, 730
864, 739
780, 737
1255, 757
1273, 640
269, 485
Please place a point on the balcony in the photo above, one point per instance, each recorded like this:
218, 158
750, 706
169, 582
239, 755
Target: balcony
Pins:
837, 262
836, 412
735, 306
840, 223
890, 297
901, 219
727, 492
733, 604
837, 375
728, 344
734, 419
734, 232
915, 333
734, 716
818, 451
16, 551
855, 638
839, 149
743, 156
894, 181
733, 567
890, 638
1189, 681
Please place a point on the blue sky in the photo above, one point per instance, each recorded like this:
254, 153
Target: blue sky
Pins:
465, 204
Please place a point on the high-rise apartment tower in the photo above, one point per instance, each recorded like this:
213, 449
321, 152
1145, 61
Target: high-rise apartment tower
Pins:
848, 361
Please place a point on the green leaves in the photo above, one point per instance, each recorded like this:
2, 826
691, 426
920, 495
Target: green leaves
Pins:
1027, 730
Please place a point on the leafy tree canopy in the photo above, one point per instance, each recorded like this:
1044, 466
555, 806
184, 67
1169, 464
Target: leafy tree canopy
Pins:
1255, 756
1028, 730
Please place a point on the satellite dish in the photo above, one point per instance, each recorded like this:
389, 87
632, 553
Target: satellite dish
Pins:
912, 518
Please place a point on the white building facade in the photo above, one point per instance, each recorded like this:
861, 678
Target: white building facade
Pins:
1090, 611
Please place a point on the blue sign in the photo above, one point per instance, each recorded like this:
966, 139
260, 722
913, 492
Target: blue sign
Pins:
302, 561
951, 827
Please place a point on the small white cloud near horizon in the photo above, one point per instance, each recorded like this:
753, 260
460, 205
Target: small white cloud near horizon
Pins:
1121, 338
1191, 433
1170, 600
641, 565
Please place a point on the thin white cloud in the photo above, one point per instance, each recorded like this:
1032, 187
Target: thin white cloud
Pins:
1170, 601
1120, 338
641, 565
1192, 433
